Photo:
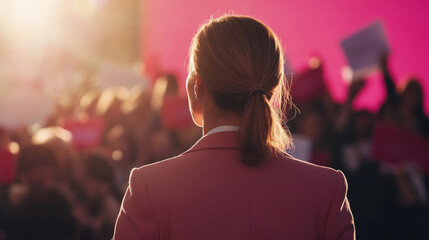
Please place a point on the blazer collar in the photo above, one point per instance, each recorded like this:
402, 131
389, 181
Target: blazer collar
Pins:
219, 140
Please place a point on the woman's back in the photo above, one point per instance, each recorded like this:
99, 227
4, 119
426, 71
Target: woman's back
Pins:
207, 193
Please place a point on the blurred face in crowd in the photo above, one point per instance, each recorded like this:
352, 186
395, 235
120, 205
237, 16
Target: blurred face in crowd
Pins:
94, 188
91, 187
363, 124
37, 166
40, 177
311, 125
412, 96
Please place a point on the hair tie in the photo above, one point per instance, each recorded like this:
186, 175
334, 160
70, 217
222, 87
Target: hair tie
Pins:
257, 91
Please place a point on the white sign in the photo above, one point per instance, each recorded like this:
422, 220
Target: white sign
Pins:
364, 48
114, 75
21, 107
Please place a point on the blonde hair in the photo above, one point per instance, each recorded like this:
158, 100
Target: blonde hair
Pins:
241, 62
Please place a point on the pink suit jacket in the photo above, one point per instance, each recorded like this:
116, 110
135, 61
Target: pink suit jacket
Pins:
207, 193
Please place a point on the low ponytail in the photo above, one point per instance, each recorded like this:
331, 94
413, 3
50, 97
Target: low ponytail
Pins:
261, 131
256, 123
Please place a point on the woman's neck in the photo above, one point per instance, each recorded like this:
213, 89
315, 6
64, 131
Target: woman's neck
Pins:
213, 116
213, 119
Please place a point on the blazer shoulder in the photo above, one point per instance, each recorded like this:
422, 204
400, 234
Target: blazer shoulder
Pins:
316, 172
318, 181
330, 187
167, 166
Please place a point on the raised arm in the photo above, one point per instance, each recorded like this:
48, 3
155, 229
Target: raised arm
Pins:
343, 116
392, 95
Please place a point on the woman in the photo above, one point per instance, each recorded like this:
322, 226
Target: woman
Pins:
236, 182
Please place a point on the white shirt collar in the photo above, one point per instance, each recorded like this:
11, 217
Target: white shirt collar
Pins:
225, 128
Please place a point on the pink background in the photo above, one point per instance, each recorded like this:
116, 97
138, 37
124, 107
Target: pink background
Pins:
306, 27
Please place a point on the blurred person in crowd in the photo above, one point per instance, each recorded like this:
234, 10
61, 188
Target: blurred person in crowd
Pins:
318, 115
141, 122
7, 176
59, 140
353, 133
351, 152
411, 109
7, 159
160, 146
310, 123
36, 171
357, 140
165, 91
64, 109
41, 215
109, 106
88, 102
98, 205
412, 208
38, 208
21, 135
141, 113
386, 204
406, 108
165, 86
236, 182
123, 151
409, 209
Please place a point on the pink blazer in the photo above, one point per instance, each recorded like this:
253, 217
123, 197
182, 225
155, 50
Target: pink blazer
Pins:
207, 193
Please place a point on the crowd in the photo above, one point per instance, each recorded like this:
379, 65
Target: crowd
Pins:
65, 178
382, 155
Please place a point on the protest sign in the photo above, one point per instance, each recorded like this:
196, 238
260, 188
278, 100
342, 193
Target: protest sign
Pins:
22, 107
114, 75
396, 146
307, 85
85, 134
7, 166
364, 48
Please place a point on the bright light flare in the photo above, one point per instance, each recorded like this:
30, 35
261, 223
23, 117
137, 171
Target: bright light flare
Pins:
46, 134
108, 96
158, 93
29, 25
14, 148
85, 8
314, 62
347, 74
117, 155
29, 16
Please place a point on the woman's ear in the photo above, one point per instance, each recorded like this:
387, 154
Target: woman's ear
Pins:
194, 89
198, 88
